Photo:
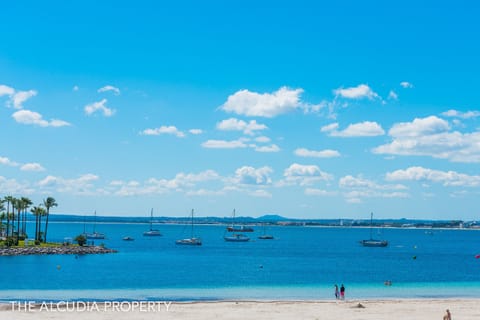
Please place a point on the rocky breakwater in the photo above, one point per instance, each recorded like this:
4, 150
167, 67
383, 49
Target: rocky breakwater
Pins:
21, 251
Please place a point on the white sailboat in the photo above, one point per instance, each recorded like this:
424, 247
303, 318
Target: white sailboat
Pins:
373, 242
152, 232
192, 241
236, 237
94, 235
265, 236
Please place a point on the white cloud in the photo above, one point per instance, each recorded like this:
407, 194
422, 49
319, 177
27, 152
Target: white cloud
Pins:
319, 192
361, 129
12, 186
249, 175
406, 84
99, 106
6, 90
233, 124
163, 130
115, 90
304, 175
302, 152
357, 188
270, 148
419, 127
16, 98
7, 162
35, 118
359, 92
20, 97
223, 144
460, 114
262, 139
446, 178
432, 137
248, 103
195, 131
32, 167
83, 185
329, 127
392, 95
260, 193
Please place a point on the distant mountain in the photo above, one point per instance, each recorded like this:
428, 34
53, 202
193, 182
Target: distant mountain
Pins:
272, 217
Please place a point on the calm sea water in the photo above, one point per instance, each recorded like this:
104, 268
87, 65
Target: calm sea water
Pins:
301, 263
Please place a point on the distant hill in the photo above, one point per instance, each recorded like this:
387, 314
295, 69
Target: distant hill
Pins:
272, 217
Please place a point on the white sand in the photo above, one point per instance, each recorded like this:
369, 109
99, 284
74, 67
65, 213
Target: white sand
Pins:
466, 309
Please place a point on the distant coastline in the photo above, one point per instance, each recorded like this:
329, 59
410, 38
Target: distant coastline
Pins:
272, 220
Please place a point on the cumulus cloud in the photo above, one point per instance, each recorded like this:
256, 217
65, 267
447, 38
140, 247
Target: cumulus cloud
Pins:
327, 153
83, 185
99, 106
172, 130
460, 114
432, 137
224, 144
359, 92
32, 167
446, 178
248, 103
106, 88
319, 192
250, 175
195, 131
304, 175
16, 98
6, 90
233, 124
356, 188
7, 162
270, 148
361, 129
406, 84
35, 118
392, 95
12, 186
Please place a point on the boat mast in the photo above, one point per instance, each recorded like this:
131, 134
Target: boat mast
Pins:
151, 219
192, 224
371, 225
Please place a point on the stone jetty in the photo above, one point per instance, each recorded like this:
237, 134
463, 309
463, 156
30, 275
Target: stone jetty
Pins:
70, 249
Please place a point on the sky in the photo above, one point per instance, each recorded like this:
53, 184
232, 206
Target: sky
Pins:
306, 109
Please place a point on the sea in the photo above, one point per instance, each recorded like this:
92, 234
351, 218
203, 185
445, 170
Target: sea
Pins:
300, 263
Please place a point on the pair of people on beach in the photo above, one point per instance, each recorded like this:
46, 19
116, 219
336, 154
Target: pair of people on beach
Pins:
340, 294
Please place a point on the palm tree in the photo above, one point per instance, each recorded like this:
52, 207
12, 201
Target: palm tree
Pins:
26, 204
48, 203
18, 204
8, 200
40, 212
2, 215
36, 211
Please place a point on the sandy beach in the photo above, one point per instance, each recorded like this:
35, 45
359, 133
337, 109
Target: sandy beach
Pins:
466, 309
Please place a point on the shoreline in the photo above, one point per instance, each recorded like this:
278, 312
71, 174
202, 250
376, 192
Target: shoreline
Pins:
372, 309
51, 250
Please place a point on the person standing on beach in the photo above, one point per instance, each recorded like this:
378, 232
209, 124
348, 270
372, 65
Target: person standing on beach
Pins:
342, 292
337, 293
447, 315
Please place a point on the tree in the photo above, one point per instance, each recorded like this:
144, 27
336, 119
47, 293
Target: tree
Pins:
36, 211
2, 215
26, 203
8, 200
48, 203
81, 240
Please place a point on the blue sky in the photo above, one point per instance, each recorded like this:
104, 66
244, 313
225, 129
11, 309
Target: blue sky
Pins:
303, 109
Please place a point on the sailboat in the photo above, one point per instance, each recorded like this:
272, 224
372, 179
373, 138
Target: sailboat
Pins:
265, 236
192, 241
152, 232
236, 237
373, 242
234, 228
94, 235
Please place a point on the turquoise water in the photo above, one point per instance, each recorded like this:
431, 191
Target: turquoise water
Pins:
301, 263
